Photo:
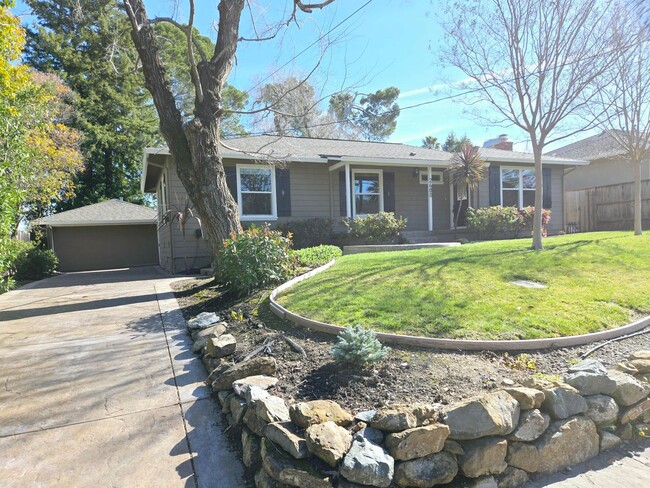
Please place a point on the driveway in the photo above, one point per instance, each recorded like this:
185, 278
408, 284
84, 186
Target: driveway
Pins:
100, 388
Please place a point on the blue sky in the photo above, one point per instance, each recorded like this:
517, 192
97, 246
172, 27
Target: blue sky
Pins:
387, 43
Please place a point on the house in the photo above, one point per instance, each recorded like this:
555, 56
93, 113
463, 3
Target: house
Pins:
105, 235
607, 163
277, 179
600, 196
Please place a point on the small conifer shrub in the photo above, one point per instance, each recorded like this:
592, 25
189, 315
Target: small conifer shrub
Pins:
357, 346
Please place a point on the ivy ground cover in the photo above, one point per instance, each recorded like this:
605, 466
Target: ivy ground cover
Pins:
591, 282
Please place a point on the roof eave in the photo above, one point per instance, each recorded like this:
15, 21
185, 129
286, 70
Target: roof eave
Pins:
98, 223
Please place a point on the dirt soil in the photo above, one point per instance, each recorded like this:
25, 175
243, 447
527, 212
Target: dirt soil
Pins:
407, 375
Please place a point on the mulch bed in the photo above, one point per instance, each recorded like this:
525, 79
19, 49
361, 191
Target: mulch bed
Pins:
407, 375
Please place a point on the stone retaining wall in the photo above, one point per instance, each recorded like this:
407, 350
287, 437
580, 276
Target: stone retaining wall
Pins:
499, 439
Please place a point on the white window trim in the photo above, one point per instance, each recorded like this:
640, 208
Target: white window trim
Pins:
521, 189
274, 203
380, 172
424, 177
162, 195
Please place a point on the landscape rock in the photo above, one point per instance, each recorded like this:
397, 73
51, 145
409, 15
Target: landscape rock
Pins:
641, 365
591, 366
304, 414
254, 423
250, 444
263, 480
218, 367
242, 386
255, 393
602, 409
417, 442
293, 472
528, 398
629, 390
256, 366
523, 456
562, 403
625, 367
366, 416
219, 347
567, 443
367, 463
286, 435
483, 457
491, 414
271, 409
373, 435
328, 442
238, 408
591, 383
434, 469
224, 400
401, 417
512, 478
203, 320
214, 330
633, 413
609, 441
484, 482
454, 447
532, 424
640, 355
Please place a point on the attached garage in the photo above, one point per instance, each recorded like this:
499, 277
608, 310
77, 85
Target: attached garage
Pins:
106, 235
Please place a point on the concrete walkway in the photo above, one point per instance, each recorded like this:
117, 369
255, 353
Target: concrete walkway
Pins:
100, 388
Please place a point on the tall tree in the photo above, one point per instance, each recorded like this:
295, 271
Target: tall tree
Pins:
374, 118
534, 62
294, 110
173, 50
622, 105
431, 142
38, 154
454, 144
87, 44
195, 144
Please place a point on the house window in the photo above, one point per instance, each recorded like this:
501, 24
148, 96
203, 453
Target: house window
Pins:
368, 195
517, 187
256, 192
436, 177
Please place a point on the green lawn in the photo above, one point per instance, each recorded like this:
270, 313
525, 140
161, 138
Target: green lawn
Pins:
594, 281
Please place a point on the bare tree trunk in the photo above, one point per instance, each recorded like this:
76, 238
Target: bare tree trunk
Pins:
204, 179
638, 204
539, 197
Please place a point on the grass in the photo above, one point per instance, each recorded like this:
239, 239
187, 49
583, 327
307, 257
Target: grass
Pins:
594, 281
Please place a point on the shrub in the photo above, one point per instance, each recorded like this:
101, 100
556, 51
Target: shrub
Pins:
317, 256
253, 259
378, 228
33, 263
357, 346
309, 232
509, 222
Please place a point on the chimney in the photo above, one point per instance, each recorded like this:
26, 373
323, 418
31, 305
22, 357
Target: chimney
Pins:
503, 143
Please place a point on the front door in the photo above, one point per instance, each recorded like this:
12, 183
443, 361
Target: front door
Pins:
459, 204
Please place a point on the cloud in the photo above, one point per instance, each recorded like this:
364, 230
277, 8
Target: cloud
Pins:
439, 86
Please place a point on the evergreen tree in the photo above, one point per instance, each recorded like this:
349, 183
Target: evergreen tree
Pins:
87, 43
454, 144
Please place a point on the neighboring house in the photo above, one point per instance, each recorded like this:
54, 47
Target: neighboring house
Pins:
283, 179
110, 234
600, 196
607, 164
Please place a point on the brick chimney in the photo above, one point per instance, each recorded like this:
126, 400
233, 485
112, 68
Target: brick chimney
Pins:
503, 143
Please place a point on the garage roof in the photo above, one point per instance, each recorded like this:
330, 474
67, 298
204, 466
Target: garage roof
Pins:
110, 212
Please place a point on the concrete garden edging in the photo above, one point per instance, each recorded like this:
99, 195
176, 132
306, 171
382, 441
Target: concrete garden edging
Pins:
435, 343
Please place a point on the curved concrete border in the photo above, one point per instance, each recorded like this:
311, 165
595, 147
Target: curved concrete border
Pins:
433, 343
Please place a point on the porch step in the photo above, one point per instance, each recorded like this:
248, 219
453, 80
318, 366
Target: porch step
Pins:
425, 236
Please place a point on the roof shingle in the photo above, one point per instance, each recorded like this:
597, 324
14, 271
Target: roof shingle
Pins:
110, 212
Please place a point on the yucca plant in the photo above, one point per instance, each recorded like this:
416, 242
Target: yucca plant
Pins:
467, 170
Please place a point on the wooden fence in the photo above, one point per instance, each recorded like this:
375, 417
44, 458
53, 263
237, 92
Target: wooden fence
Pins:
605, 208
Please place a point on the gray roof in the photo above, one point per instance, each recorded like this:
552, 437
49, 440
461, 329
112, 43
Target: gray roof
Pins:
110, 212
302, 147
600, 146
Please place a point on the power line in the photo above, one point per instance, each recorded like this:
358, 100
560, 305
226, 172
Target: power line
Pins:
461, 94
312, 44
